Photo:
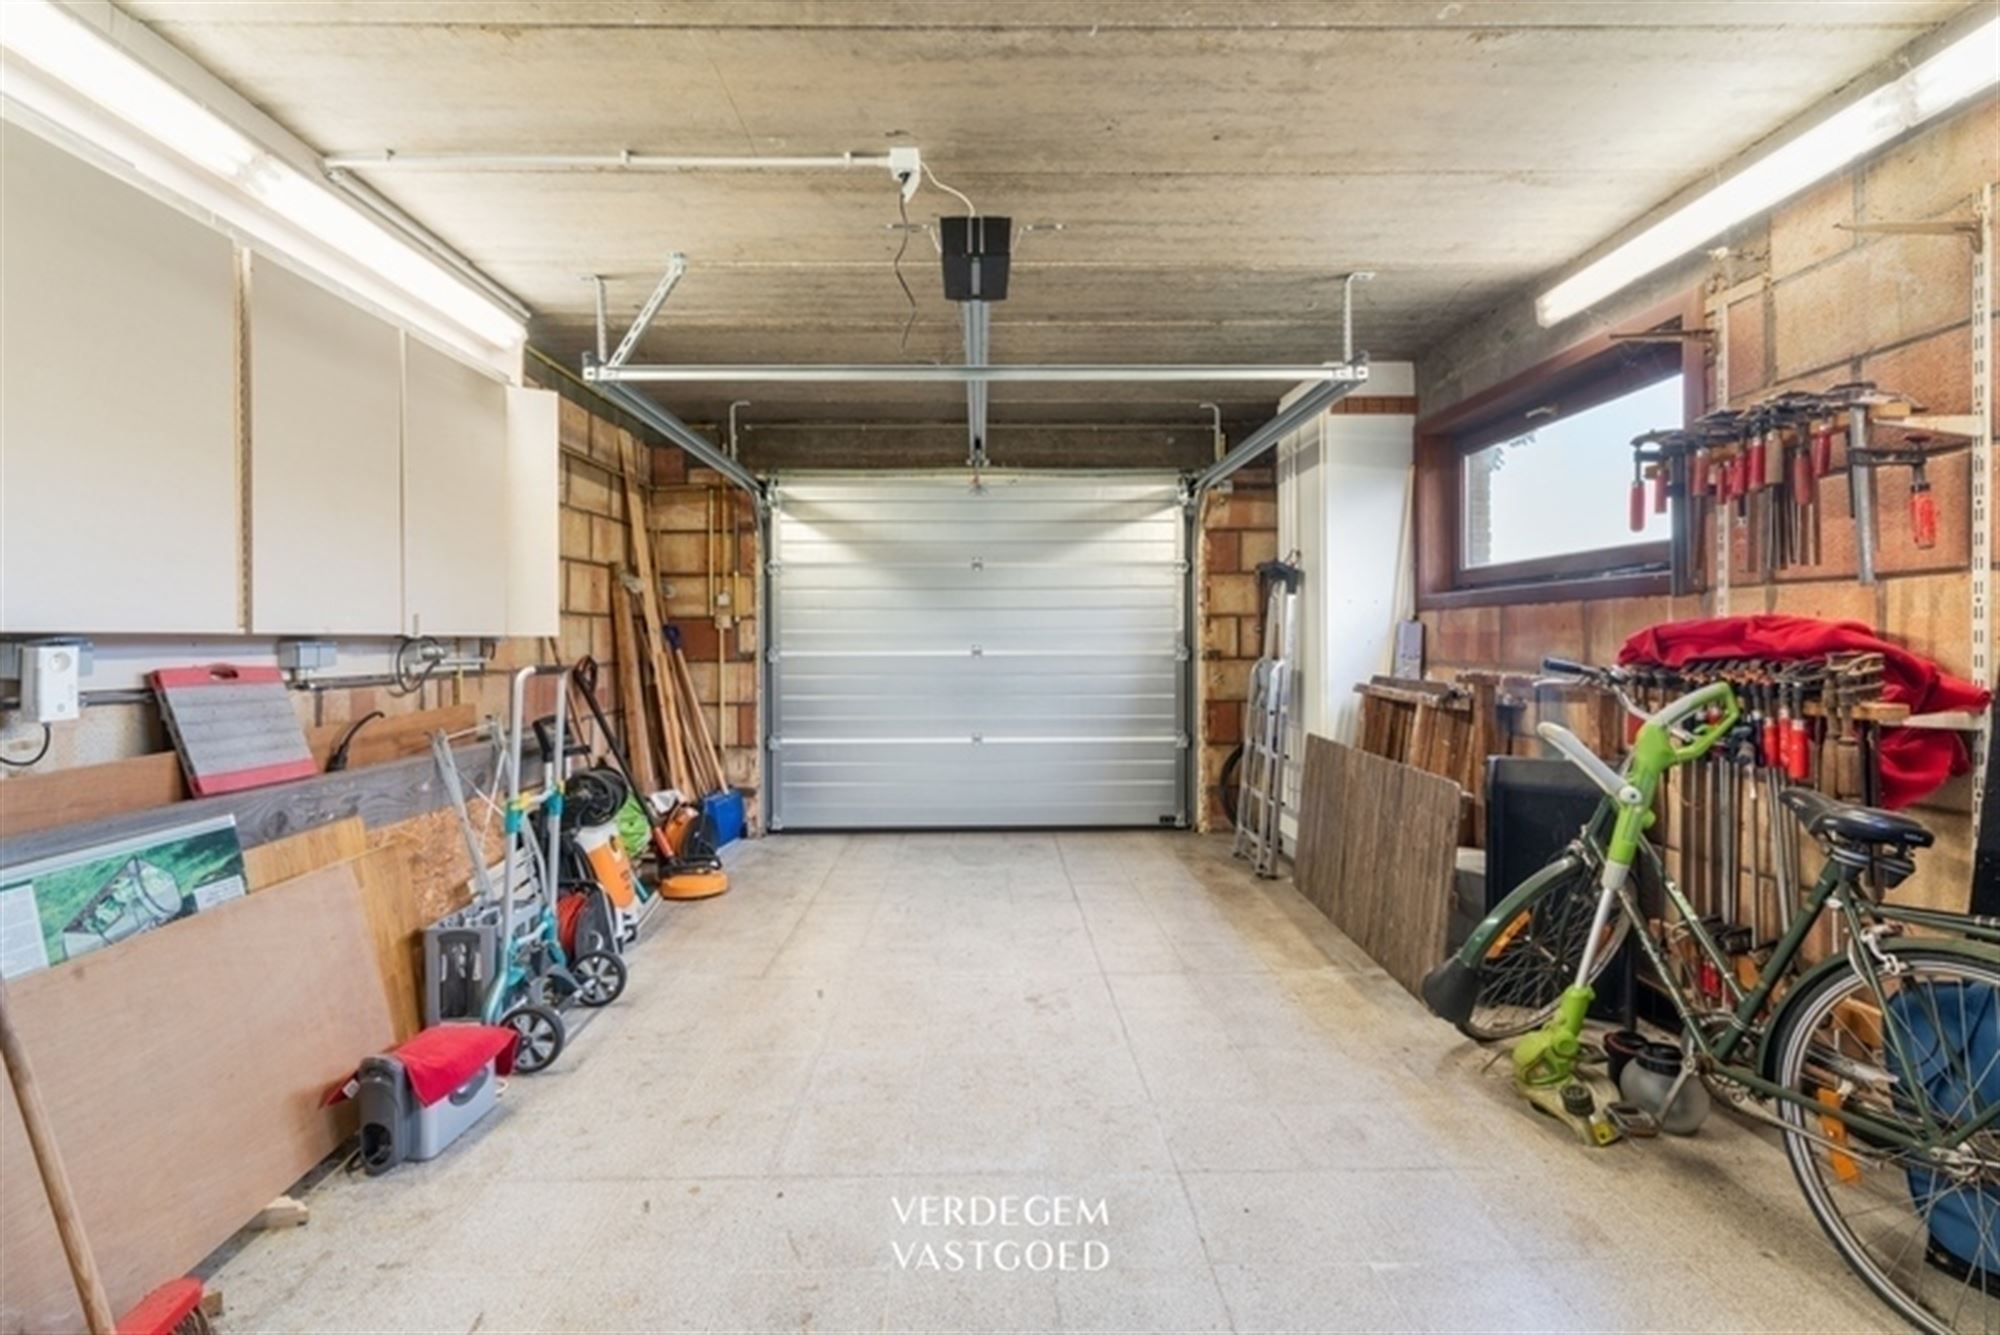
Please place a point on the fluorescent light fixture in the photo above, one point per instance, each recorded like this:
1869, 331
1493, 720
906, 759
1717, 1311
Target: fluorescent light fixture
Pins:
1960, 70
79, 56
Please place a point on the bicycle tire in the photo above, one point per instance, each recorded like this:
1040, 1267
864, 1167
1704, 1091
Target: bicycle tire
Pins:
1921, 1283
1532, 954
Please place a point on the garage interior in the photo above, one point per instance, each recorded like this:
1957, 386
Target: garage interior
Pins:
892, 665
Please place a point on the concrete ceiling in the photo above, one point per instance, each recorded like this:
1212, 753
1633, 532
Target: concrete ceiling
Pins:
1196, 175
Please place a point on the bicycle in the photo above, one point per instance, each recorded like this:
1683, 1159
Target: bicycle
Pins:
1880, 1064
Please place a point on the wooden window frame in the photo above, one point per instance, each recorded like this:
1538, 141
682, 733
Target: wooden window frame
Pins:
1587, 373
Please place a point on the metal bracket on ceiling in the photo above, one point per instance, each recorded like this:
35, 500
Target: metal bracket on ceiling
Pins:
596, 281
676, 268
1347, 311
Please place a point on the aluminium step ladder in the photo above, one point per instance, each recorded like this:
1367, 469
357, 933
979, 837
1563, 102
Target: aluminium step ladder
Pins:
1268, 720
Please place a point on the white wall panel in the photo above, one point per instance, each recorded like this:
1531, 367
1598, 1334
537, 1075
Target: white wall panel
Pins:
455, 500
534, 521
326, 427
964, 659
119, 477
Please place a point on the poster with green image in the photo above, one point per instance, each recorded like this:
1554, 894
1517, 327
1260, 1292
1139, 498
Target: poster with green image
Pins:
60, 907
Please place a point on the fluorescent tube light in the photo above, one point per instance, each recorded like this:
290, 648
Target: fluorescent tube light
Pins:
110, 78
1962, 69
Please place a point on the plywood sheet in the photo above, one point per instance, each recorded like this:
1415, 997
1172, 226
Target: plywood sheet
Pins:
296, 855
396, 918
1378, 841
183, 1071
75, 796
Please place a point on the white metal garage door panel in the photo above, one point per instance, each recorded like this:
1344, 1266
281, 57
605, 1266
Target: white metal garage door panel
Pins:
946, 657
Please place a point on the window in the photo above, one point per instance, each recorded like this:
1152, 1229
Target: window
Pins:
1523, 486
1562, 486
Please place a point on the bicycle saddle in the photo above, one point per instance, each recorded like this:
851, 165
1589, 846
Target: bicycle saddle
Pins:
1825, 817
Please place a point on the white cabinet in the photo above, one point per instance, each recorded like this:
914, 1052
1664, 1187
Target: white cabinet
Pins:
120, 507
534, 527
456, 507
326, 443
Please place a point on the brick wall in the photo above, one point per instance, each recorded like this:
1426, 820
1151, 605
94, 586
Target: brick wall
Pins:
1238, 530
1838, 306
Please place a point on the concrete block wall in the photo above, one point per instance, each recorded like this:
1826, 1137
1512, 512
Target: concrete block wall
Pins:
1837, 305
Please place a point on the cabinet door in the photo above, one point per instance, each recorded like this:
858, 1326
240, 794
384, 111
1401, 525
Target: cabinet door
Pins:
120, 503
326, 487
455, 503
534, 527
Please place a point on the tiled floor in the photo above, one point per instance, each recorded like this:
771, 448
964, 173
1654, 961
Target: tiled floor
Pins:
1280, 1137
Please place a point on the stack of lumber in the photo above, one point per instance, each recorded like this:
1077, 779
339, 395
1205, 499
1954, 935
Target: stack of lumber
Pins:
667, 735
1437, 727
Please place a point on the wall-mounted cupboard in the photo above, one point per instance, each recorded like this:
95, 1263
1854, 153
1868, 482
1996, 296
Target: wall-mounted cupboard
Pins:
195, 439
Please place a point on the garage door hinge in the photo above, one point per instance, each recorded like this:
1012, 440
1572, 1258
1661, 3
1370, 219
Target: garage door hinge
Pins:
979, 563
977, 739
978, 651
1185, 567
1182, 743
776, 743
772, 654
773, 567
1181, 652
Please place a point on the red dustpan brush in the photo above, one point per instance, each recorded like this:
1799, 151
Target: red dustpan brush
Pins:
172, 1309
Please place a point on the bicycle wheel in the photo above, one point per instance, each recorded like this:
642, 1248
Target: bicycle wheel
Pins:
1921, 1228
1526, 964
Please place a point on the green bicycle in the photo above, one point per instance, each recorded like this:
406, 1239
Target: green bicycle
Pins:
1880, 1064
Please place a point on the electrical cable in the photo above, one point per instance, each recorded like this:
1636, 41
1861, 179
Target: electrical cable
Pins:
903, 210
931, 176
48, 736
338, 760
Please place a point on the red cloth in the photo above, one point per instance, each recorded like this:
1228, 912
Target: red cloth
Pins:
445, 1056
1914, 762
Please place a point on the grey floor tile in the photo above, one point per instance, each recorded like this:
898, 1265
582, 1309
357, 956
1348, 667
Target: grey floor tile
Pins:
1282, 1138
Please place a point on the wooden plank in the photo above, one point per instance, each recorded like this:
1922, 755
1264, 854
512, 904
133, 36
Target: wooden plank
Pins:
295, 855
34, 802
390, 738
641, 540
183, 1070
1377, 847
631, 693
380, 794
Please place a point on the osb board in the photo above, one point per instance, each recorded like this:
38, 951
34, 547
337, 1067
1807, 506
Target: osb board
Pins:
183, 1071
41, 801
391, 737
295, 855
438, 867
1377, 846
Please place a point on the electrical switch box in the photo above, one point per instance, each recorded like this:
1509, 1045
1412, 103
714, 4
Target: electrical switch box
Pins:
51, 682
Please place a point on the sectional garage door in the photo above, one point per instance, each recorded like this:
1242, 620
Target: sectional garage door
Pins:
958, 658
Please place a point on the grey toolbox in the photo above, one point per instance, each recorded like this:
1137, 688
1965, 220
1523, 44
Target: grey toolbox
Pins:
395, 1127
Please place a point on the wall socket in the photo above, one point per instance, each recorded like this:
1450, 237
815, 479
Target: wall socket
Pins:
51, 682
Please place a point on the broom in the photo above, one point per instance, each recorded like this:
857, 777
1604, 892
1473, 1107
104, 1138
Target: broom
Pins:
172, 1309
